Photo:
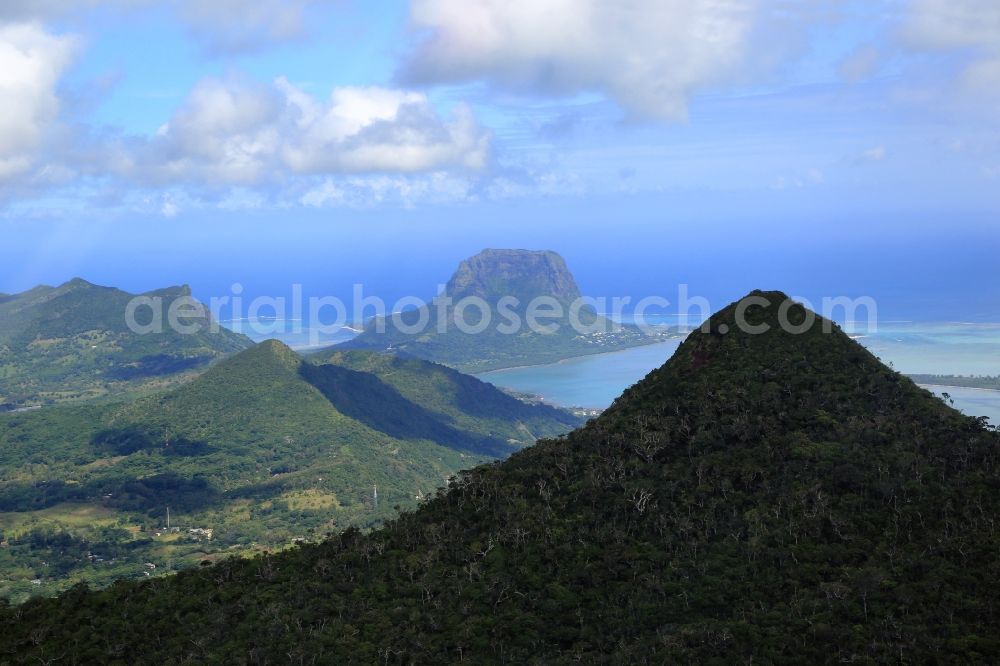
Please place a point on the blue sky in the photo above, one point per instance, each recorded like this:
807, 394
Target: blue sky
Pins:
831, 146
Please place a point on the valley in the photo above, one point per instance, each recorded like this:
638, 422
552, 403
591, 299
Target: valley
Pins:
729, 506
261, 450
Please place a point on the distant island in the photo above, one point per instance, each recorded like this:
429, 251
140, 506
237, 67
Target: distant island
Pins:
958, 381
508, 282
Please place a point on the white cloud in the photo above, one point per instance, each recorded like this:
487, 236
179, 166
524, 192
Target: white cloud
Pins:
169, 209
873, 154
238, 132
376, 190
225, 132
982, 77
376, 129
954, 24
649, 55
968, 26
31, 63
327, 193
812, 177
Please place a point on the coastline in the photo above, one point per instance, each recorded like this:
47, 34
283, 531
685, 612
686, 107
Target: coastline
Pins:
537, 398
481, 375
961, 388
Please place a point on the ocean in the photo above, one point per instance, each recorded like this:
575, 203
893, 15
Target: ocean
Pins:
295, 333
909, 347
974, 402
945, 348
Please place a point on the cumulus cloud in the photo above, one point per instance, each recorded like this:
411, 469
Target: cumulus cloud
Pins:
969, 26
649, 55
224, 132
238, 132
31, 63
375, 129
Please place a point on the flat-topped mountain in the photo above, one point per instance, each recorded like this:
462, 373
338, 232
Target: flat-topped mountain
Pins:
514, 286
72, 342
774, 496
524, 274
260, 449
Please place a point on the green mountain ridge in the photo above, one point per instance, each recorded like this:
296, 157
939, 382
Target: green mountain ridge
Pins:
770, 498
493, 275
261, 448
472, 403
72, 342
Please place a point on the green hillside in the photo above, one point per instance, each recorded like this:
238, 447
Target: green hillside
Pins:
491, 276
772, 498
260, 449
72, 342
450, 396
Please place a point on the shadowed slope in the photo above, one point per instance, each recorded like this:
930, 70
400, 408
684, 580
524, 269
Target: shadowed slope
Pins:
367, 399
261, 448
773, 498
456, 398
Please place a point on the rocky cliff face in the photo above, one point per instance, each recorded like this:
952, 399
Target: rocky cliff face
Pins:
493, 275
524, 274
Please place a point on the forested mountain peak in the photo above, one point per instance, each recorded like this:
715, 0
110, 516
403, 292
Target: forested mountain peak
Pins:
272, 352
763, 342
76, 283
772, 496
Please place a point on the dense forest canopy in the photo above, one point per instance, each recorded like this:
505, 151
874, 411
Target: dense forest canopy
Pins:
768, 498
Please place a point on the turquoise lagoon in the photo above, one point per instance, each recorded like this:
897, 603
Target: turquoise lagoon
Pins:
946, 348
909, 347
